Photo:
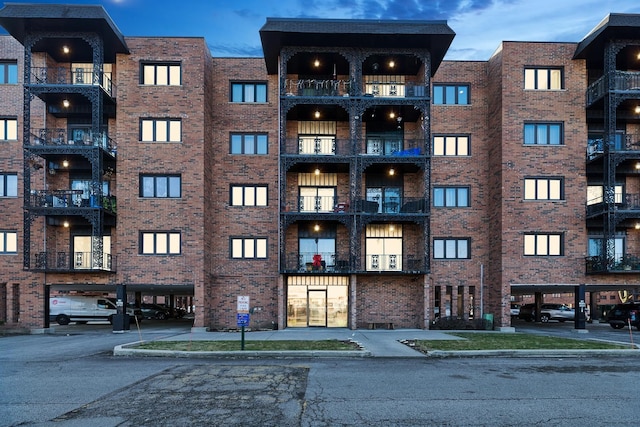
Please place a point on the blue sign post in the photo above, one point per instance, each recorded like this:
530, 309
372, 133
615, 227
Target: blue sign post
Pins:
243, 320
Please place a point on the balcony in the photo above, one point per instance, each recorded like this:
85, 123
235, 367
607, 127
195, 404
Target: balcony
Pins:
73, 262
65, 199
623, 81
331, 263
627, 202
316, 87
79, 76
53, 137
623, 143
328, 145
392, 205
619, 264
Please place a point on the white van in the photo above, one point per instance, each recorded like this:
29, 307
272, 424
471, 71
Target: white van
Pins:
81, 309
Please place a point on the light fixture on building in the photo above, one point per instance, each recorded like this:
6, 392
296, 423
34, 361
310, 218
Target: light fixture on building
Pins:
392, 64
392, 115
316, 227
392, 227
637, 225
65, 103
65, 163
638, 167
392, 172
65, 49
317, 171
316, 63
637, 110
65, 224
317, 114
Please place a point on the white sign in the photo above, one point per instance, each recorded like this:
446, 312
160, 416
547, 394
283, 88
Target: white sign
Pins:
243, 304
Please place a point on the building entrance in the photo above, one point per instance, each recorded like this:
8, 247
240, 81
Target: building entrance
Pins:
317, 302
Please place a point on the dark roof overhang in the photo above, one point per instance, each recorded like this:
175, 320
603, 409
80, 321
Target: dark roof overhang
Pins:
615, 26
434, 36
20, 19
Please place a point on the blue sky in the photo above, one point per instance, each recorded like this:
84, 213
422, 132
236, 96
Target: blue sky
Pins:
231, 27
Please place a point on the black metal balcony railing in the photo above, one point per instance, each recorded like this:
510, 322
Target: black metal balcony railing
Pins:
324, 262
335, 87
65, 262
618, 264
622, 81
70, 199
626, 202
330, 204
623, 142
328, 145
60, 137
85, 76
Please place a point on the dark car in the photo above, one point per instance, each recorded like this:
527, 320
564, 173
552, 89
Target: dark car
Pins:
624, 314
153, 311
527, 312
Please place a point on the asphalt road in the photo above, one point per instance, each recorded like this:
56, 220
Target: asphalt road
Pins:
71, 378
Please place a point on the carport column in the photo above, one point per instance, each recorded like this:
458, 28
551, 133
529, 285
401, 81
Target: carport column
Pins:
353, 303
538, 299
121, 319
580, 305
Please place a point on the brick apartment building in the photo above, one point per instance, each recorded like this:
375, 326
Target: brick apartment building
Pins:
349, 178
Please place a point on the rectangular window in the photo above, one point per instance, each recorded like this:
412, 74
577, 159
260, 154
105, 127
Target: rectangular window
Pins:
543, 244
451, 145
160, 130
248, 248
249, 143
8, 185
451, 94
8, 242
543, 189
160, 186
8, 129
160, 243
248, 195
384, 247
543, 78
8, 72
595, 194
451, 249
161, 74
451, 197
249, 92
543, 134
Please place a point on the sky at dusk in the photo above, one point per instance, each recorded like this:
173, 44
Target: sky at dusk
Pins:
231, 27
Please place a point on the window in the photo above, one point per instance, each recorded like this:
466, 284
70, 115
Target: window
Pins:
8, 185
160, 243
543, 244
8, 72
160, 130
8, 129
248, 195
8, 242
248, 248
543, 189
543, 134
595, 194
451, 145
248, 92
451, 197
596, 245
451, 94
543, 78
451, 249
160, 186
161, 74
384, 247
248, 143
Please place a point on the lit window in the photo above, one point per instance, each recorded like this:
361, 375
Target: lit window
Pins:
160, 130
160, 243
249, 143
543, 78
543, 244
543, 134
248, 195
249, 92
8, 242
451, 249
161, 74
451, 145
248, 248
8, 129
384, 247
595, 194
543, 189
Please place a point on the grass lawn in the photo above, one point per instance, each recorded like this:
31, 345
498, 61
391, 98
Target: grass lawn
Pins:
248, 345
511, 341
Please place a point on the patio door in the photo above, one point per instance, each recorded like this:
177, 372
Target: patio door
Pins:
317, 307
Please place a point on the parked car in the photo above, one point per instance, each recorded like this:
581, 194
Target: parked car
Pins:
515, 310
175, 312
560, 312
153, 311
82, 309
624, 314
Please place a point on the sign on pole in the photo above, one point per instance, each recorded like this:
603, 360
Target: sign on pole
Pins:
243, 304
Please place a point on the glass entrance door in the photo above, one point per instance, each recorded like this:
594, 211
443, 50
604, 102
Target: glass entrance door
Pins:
318, 308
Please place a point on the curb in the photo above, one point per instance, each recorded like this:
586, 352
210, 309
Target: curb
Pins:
534, 353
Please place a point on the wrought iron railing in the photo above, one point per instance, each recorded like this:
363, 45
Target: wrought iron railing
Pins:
392, 205
70, 199
622, 81
623, 142
618, 264
64, 262
73, 76
59, 137
314, 263
328, 145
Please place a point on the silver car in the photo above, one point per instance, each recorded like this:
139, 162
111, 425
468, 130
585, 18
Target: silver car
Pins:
560, 312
